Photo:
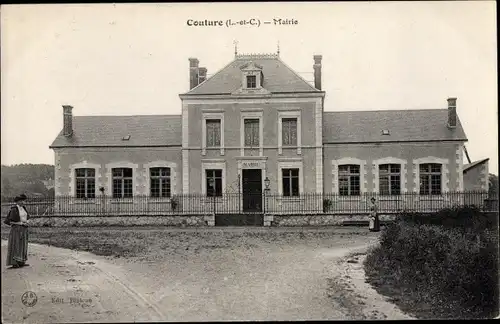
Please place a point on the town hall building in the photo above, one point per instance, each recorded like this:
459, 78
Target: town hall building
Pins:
254, 126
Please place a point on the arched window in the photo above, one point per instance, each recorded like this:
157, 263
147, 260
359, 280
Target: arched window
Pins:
160, 182
122, 182
430, 178
85, 183
349, 180
390, 179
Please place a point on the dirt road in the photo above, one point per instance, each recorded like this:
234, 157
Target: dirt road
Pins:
251, 279
70, 287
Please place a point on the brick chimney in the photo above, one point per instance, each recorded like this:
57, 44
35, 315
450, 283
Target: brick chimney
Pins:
67, 120
452, 112
202, 74
317, 71
193, 72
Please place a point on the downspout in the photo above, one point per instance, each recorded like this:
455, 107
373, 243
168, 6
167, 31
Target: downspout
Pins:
467, 154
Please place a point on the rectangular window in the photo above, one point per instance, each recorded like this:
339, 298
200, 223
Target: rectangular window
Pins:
390, 179
290, 182
214, 183
85, 183
251, 132
213, 132
122, 182
349, 183
251, 81
289, 131
430, 179
160, 182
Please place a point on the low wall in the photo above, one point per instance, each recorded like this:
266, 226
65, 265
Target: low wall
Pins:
75, 221
196, 220
318, 220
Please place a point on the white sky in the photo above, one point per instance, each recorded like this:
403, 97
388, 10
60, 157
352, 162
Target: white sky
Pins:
126, 59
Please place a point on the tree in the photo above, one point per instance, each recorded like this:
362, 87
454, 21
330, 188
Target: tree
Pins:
25, 178
38, 187
493, 186
6, 187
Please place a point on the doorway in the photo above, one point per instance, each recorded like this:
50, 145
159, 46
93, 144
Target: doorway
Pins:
252, 190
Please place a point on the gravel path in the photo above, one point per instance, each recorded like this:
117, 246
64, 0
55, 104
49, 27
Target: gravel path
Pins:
194, 277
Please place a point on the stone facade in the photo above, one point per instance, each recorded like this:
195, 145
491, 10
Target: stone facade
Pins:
409, 155
103, 159
269, 153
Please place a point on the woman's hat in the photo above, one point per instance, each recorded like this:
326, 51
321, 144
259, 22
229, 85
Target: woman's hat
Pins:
20, 198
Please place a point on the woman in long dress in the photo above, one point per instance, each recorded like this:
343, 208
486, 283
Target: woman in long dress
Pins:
17, 251
374, 220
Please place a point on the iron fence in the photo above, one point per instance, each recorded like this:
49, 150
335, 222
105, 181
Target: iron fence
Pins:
237, 203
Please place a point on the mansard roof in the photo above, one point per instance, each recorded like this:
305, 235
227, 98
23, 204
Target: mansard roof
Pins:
402, 125
110, 131
278, 77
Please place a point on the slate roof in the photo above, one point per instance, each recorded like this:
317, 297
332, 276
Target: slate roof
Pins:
473, 164
338, 127
107, 131
278, 77
403, 125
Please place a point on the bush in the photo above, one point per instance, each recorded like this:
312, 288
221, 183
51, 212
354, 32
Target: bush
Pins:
442, 266
174, 203
327, 204
468, 218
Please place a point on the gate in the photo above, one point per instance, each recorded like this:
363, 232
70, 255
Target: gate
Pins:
251, 213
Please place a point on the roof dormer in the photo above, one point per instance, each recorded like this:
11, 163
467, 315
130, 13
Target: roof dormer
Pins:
252, 76
252, 79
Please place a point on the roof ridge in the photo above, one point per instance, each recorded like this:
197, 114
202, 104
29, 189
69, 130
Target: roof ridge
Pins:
480, 160
298, 75
383, 110
153, 115
249, 56
473, 164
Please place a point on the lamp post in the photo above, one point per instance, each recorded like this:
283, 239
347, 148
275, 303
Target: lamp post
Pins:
267, 182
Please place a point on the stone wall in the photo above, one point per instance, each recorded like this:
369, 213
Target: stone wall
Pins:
318, 220
477, 178
75, 221
194, 220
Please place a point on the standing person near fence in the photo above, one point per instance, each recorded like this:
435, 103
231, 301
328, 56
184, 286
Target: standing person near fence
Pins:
374, 220
17, 251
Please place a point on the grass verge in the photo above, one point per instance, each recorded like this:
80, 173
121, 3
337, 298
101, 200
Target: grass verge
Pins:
141, 242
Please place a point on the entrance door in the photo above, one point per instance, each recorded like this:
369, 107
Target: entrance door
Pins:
252, 190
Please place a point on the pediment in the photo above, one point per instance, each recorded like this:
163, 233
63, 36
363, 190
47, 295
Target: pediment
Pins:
251, 66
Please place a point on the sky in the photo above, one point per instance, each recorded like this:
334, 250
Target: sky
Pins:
131, 59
